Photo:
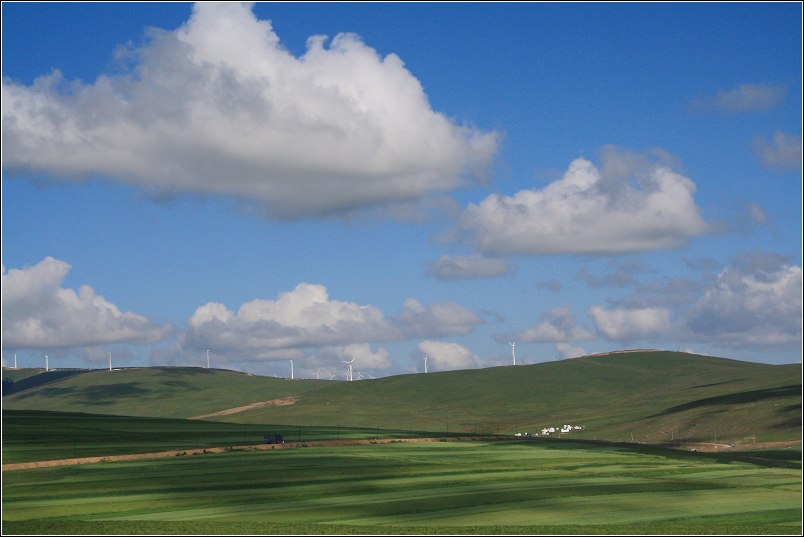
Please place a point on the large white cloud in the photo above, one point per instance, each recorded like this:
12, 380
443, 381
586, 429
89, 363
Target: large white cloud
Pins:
39, 313
633, 204
444, 356
751, 304
307, 318
218, 106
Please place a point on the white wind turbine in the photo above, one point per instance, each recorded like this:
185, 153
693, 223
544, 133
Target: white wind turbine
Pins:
350, 366
513, 351
425, 363
317, 371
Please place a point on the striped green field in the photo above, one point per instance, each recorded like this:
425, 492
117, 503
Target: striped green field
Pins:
32, 435
644, 396
455, 487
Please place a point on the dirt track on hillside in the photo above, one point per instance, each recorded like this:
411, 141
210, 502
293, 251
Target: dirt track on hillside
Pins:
284, 401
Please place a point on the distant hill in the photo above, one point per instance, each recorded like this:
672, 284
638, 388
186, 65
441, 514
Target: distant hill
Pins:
644, 395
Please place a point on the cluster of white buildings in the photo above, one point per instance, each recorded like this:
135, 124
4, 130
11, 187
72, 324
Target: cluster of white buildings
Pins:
547, 431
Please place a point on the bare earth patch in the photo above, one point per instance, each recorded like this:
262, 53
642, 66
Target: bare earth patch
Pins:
283, 401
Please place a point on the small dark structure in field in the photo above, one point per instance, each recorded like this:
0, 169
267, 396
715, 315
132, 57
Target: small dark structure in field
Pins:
273, 439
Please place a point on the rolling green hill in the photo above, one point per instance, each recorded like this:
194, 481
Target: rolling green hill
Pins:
644, 396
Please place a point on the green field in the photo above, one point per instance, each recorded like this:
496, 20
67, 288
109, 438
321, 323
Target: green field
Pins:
599, 480
644, 396
455, 487
30, 435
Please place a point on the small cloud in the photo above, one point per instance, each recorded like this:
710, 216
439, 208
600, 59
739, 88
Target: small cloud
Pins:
553, 285
444, 356
567, 351
636, 203
743, 98
783, 152
558, 325
468, 267
630, 324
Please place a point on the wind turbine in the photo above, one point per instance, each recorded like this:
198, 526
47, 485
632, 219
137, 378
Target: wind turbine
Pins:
15, 360
425, 363
291, 370
110, 361
513, 351
359, 375
317, 371
350, 366
46, 367
207, 358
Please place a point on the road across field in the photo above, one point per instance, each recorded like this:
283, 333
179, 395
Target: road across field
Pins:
687, 446
251, 447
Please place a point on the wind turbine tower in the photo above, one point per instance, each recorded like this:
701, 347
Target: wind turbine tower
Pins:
425, 363
46, 366
350, 366
207, 358
317, 371
291, 370
15, 360
110, 361
513, 351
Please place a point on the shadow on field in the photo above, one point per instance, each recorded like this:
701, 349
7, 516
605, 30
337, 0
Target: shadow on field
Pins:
11, 387
736, 398
768, 458
96, 395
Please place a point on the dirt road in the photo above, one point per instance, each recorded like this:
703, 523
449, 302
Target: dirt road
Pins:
256, 447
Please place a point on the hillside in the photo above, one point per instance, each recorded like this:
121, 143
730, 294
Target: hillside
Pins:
647, 396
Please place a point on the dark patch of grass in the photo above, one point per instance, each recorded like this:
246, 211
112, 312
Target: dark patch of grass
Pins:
750, 396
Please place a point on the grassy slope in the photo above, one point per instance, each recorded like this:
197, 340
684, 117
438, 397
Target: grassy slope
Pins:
438, 486
652, 395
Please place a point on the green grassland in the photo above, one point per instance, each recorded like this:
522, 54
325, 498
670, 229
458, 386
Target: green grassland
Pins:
32, 435
644, 396
595, 481
527, 487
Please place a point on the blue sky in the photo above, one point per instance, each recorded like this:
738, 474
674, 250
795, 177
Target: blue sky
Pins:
316, 182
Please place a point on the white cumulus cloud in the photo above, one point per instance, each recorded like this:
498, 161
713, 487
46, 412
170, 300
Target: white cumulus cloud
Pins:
444, 356
39, 313
751, 304
558, 325
628, 324
220, 107
633, 204
306, 317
